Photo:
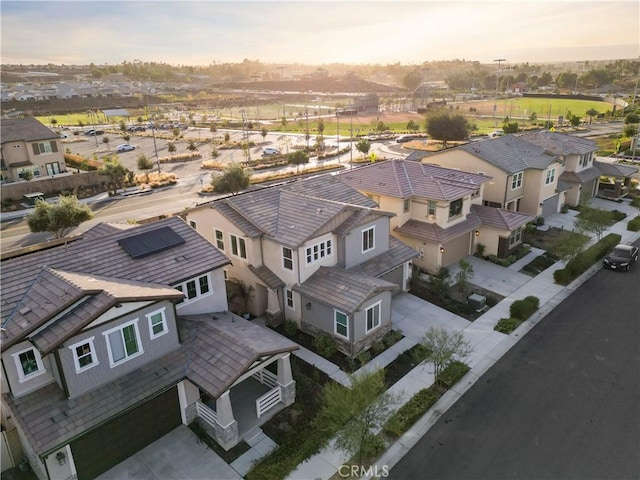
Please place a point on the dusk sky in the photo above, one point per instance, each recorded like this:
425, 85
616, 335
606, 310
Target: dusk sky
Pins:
317, 32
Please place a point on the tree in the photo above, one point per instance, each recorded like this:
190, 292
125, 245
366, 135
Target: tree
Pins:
116, 172
464, 274
439, 283
297, 158
592, 112
58, 218
171, 147
26, 175
192, 146
263, 132
444, 347
510, 127
594, 220
363, 146
357, 412
213, 128
413, 126
630, 131
105, 140
631, 118
144, 163
445, 126
234, 178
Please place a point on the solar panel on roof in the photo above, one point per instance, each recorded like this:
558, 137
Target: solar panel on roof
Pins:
153, 241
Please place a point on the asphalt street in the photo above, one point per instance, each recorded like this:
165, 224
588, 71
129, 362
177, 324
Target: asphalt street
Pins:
563, 403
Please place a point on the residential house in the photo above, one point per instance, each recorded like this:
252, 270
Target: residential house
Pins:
113, 340
28, 146
439, 211
316, 252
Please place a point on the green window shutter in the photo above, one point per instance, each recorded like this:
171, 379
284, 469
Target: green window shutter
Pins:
36, 149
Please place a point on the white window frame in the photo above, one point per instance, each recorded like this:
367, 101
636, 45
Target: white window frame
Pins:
163, 316
550, 176
193, 224
318, 251
515, 237
516, 180
368, 236
120, 328
236, 250
458, 211
432, 208
198, 288
219, 241
23, 377
286, 258
335, 323
76, 359
288, 298
45, 148
376, 306
406, 205
52, 168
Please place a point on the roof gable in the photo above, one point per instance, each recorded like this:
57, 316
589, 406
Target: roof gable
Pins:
26, 129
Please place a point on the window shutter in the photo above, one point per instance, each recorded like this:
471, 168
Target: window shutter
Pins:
54, 147
36, 149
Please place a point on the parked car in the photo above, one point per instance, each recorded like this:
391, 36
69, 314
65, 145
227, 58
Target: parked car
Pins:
405, 138
497, 133
94, 133
270, 151
621, 257
125, 147
90, 131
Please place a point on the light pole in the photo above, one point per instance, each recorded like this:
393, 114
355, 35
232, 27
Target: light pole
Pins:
495, 104
338, 134
153, 132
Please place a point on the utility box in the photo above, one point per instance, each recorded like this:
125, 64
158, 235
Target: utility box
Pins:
478, 302
30, 199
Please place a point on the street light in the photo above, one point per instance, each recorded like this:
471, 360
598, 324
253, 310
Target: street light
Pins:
338, 134
153, 132
495, 104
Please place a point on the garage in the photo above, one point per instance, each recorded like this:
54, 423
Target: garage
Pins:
126, 434
550, 205
456, 249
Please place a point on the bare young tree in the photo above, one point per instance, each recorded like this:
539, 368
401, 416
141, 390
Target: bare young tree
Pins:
444, 347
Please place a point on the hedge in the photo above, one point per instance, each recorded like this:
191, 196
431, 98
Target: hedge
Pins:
523, 309
634, 224
586, 259
506, 325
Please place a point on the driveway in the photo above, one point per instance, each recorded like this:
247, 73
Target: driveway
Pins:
176, 456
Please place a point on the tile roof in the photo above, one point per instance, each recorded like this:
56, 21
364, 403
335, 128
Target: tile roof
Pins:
510, 153
103, 256
345, 290
265, 274
407, 179
560, 144
433, 233
581, 176
213, 354
501, 218
615, 169
398, 254
27, 129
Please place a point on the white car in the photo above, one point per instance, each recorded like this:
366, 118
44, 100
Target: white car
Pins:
125, 147
270, 151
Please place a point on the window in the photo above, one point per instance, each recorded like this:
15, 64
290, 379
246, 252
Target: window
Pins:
375, 198
157, 323
225, 274
432, 208
368, 239
219, 239
238, 247
289, 295
193, 224
287, 258
123, 343
373, 317
550, 176
29, 364
195, 288
318, 251
52, 168
341, 324
516, 181
44, 147
586, 159
407, 205
455, 208
515, 237
84, 355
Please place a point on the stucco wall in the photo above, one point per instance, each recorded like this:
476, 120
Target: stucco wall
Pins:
50, 185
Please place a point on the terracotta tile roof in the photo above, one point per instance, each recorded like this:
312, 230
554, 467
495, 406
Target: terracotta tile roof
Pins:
103, 256
345, 290
213, 354
27, 129
433, 233
501, 218
407, 179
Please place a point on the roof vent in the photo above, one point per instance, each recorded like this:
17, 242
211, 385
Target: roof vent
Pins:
25, 310
319, 210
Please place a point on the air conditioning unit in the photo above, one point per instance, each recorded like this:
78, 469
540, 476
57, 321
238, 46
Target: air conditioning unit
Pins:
478, 302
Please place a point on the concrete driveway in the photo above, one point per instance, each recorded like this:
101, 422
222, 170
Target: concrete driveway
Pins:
176, 456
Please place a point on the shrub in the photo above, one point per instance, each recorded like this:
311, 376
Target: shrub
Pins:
325, 345
392, 337
363, 357
480, 249
523, 309
452, 373
585, 259
506, 325
378, 347
290, 327
410, 412
634, 224
617, 215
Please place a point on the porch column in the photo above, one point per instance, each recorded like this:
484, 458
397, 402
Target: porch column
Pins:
285, 380
226, 425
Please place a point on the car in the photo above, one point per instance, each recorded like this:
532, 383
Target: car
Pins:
94, 133
270, 151
125, 147
405, 138
621, 257
90, 131
497, 133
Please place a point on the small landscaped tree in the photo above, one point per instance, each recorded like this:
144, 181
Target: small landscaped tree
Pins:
297, 158
171, 147
115, 171
594, 220
439, 283
233, 179
443, 347
592, 112
144, 163
264, 132
413, 126
445, 126
464, 274
363, 146
58, 218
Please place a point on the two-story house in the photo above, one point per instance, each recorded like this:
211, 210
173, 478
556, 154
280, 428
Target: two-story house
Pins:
29, 146
316, 252
439, 211
114, 339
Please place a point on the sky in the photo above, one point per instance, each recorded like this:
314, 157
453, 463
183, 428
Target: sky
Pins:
317, 32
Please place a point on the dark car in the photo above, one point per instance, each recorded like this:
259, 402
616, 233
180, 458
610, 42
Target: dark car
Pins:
621, 257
